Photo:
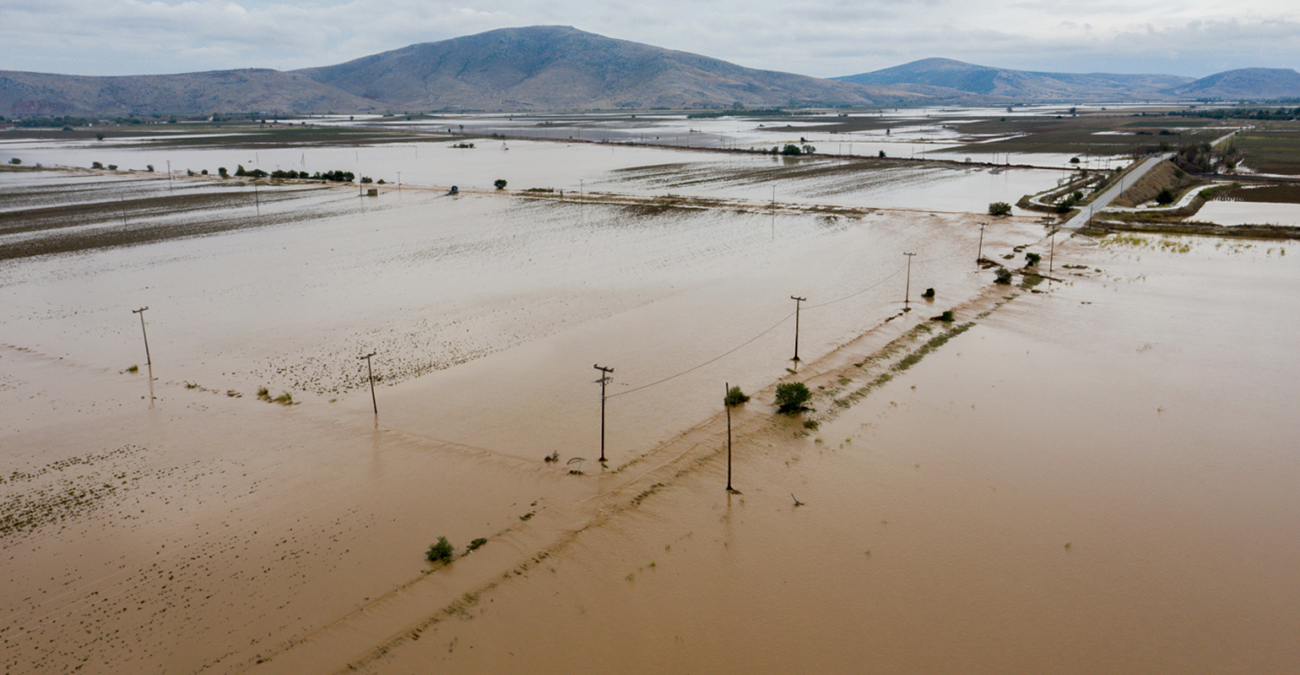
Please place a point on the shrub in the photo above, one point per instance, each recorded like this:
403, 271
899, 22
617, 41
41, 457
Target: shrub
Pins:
500, 183
882, 154
1074, 160
474, 545
366, 180
1031, 259
441, 551
1004, 276
791, 149
735, 396
112, 167
15, 161
947, 316
791, 397
999, 209
222, 171
929, 293
96, 165
1166, 196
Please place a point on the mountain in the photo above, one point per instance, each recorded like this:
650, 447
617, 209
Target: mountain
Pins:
44, 95
967, 79
1250, 83
560, 67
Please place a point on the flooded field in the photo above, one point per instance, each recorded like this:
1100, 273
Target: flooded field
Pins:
950, 500
1249, 213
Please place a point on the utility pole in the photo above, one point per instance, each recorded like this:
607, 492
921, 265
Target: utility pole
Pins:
147, 361
797, 302
257, 198
371, 374
604, 379
980, 254
727, 404
1051, 257
399, 181
907, 290
169, 176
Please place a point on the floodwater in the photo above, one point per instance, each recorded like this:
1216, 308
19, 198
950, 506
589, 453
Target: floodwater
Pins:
1249, 213
1092, 475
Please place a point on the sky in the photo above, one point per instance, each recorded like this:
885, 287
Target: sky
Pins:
823, 38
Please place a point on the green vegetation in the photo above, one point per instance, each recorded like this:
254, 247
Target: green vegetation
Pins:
1031, 259
791, 397
15, 161
735, 396
441, 551
1165, 196
96, 165
474, 545
133, 369
929, 293
285, 398
500, 183
999, 209
1003, 276
947, 316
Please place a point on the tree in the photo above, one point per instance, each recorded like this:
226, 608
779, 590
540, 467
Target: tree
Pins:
500, 183
1031, 259
1003, 276
15, 161
735, 396
1166, 196
222, 171
441, 551
791, 149
791, 397
999, 209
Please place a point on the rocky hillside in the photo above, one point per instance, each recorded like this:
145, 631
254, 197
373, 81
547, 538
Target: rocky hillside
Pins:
1247, 83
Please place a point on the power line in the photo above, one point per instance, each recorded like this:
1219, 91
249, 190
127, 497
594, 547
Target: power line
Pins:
691, 370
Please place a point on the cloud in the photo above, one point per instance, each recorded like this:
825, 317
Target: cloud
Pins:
824, 38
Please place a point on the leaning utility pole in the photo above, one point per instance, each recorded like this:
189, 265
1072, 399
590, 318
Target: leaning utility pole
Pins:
604, 379
907, 290
797, 302
147, 360
371, 374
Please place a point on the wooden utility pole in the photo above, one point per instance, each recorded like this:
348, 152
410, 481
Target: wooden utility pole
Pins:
907, 290
604, 380
170, 187
147, 361
726, 402
257, 198
980, 253
1051, 257
797, 302
371, 374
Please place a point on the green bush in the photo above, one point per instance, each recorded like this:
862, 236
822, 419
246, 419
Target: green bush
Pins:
929, 293
15, 161
947, 316
1031, 259
791, 149
500, 183
791, 397
474, 545
1166, 196
1004, 276
999, 209
441, 551
735, 396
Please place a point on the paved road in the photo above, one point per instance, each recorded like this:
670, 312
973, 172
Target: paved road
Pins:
1105, 198
1133, 176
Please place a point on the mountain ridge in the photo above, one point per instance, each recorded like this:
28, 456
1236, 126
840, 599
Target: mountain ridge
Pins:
540, 68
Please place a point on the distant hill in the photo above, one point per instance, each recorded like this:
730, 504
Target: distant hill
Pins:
562, 68
1251, 83
967, 79
559, 67
45, 95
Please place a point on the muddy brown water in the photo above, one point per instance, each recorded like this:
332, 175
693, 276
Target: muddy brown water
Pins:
175, 528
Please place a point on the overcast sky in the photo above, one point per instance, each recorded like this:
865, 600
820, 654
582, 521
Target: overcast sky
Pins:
824, 38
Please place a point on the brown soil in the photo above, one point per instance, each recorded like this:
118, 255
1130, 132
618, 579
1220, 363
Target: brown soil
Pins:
1163, 176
